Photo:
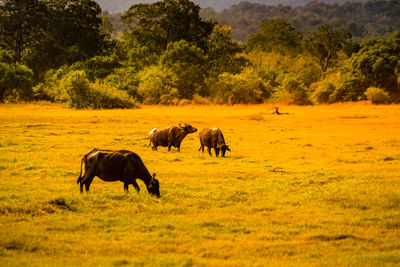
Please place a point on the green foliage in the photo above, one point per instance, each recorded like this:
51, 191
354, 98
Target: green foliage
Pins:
323, 91
324, 45
377, 63
155, 86
99, 67
126, 79
107, 97
363, 19
222, 52
348, 88
77, 22
6, 56
15, 82
156, 25
22, 23
244, 88
48, 34
187, 63
276, 35
83, 94
74, 88
292, 91
50, 89
76, 85
377, 95
140, 57
308, 74
46, 54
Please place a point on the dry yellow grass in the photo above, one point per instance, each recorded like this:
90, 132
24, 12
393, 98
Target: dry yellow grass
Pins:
319, 186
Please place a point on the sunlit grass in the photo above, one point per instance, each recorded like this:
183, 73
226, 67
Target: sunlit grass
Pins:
319, 186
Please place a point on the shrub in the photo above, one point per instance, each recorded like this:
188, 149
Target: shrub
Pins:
50, 89
106, 97
292, 91
323, 91
76, 85
348, 88
244, 88
377, 95
125, 79
308, 74
155, 86
100, 66
76, 89
15, 82
200, 100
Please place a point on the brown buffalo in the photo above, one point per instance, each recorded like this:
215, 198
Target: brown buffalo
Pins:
120, 165
213, 138
170, 136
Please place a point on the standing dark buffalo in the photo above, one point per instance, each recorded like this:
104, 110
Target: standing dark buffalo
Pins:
121, 165
213, 138
170, 136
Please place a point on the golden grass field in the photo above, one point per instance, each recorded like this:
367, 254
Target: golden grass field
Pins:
319, 186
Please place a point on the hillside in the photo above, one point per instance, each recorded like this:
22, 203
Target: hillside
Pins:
364, 20
114, 6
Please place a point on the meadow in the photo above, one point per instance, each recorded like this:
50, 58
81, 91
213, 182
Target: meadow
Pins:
318, 186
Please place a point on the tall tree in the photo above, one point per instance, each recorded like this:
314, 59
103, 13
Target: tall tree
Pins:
22, 23
77, 22
276, 35
156, 25
222, 52
324, 45
378, 64
187, 62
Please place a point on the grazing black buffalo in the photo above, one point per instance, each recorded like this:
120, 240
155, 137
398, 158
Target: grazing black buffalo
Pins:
213, 138
170, 136
121, 165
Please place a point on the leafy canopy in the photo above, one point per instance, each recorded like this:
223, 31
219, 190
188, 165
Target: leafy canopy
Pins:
156, 25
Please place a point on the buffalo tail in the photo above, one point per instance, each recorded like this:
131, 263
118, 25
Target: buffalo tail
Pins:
80, 175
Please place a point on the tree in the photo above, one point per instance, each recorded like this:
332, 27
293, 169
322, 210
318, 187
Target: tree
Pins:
187, 62
22, 23
377, 63
156, 25
222, 52
46, 34
324, 45
77, 22
276, 35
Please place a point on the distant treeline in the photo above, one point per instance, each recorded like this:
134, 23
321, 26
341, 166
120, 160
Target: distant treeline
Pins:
120, 6
364, 20
67, 51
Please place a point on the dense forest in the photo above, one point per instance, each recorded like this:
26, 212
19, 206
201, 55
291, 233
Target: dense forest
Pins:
68, 51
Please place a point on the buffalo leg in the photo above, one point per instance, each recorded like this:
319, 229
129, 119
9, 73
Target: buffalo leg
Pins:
135, 185
209, 151
87, 183
216, 151
169, 147
179, 148
126, 186
202, 148
86, 180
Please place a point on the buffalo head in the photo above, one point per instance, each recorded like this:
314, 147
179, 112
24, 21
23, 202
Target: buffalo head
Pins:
188, 128
223, 148
154, 186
